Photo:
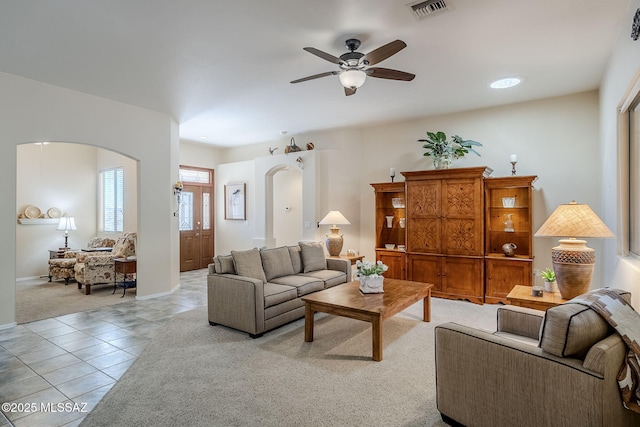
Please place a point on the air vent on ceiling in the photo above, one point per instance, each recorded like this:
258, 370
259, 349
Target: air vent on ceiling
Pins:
422, 9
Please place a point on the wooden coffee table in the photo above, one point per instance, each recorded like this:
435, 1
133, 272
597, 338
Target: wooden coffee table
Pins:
346, 300
521, 296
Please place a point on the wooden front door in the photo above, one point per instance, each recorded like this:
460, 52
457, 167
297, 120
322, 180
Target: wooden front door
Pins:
196, 227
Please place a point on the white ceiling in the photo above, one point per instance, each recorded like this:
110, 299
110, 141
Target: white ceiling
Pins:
222, 68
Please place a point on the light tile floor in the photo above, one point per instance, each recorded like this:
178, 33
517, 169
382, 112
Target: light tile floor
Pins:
56, 370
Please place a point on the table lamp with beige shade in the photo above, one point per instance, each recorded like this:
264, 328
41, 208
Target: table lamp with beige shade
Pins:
573, 261
334, 240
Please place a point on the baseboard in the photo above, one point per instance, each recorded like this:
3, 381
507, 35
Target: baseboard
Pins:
160, 294
24, 279
8, 326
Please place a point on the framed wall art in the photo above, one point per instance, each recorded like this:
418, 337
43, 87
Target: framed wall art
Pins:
234, 201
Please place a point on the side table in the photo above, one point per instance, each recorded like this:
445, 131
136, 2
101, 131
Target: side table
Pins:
352, 258
126, 267
521, 297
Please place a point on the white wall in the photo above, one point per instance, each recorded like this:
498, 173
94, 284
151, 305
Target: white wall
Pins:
32, 111
53, 175
619, 271
556, 139
287, 207
199, 155
235, 234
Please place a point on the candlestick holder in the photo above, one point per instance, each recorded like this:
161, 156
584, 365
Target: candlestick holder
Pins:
392, 177
513, 168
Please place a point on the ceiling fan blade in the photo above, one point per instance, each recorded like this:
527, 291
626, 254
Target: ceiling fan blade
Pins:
349, 91
324, 55
387, 73
383, 52
316, 76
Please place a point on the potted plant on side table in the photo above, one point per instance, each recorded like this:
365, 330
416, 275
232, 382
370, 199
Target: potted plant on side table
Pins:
549, 277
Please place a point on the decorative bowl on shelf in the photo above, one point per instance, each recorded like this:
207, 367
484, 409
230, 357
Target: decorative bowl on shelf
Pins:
401, 247
397, 202
508, 202
390, 245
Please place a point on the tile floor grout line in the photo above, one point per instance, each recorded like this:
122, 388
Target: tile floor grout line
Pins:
186, 298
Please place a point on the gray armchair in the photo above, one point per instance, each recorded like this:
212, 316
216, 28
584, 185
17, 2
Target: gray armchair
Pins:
560, 373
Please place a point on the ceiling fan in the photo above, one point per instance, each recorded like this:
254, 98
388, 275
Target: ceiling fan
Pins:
355, 66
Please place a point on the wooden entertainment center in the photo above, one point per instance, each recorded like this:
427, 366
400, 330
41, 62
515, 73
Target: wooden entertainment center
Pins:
453, 224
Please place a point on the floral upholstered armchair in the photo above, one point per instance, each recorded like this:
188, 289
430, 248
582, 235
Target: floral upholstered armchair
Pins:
94, 268
63, 268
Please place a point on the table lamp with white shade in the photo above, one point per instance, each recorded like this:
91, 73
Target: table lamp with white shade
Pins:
573, 261
334, 240
66, 223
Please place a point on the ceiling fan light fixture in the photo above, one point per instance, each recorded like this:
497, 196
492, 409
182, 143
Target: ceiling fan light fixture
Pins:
352, 78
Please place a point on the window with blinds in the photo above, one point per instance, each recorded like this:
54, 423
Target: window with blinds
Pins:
112, 200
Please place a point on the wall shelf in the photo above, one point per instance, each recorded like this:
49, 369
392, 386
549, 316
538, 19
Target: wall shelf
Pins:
38, 221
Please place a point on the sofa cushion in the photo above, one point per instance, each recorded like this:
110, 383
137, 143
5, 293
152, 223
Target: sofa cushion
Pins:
296, 258
312, 256
276, 262
248, 264
304, 284
571, 329
224, 264
329, 277
275, 294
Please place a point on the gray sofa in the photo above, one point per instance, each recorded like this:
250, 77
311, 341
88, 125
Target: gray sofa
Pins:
258, 290
538, 369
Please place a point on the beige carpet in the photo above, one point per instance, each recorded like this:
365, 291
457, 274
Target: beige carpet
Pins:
199, 375
37, 300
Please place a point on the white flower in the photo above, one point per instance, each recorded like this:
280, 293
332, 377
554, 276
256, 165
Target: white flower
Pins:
369, 268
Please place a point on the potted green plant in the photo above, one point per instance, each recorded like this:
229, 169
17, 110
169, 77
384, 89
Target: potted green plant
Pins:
549, 277
443, 151
369, 275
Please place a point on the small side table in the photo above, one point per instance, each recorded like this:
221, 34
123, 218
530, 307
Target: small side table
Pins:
352, 258
57, 253
126, 267
521, 297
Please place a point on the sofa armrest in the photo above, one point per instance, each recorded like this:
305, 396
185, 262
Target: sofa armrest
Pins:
606, 355
341, 265
477, 369
236, 301
520, 321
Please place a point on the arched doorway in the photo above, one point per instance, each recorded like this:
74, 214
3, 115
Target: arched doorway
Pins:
63, 176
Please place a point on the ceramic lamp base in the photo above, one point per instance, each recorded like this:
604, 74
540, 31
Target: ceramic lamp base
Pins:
573, 264
334, 242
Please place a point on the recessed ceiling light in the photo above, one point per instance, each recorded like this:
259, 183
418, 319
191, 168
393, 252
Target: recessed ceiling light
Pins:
505, 83
203, 137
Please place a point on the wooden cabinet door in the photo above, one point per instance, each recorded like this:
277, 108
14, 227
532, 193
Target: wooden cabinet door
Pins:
464, 277
424, 216
462, 230
503, 274
426, 269
395, 262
